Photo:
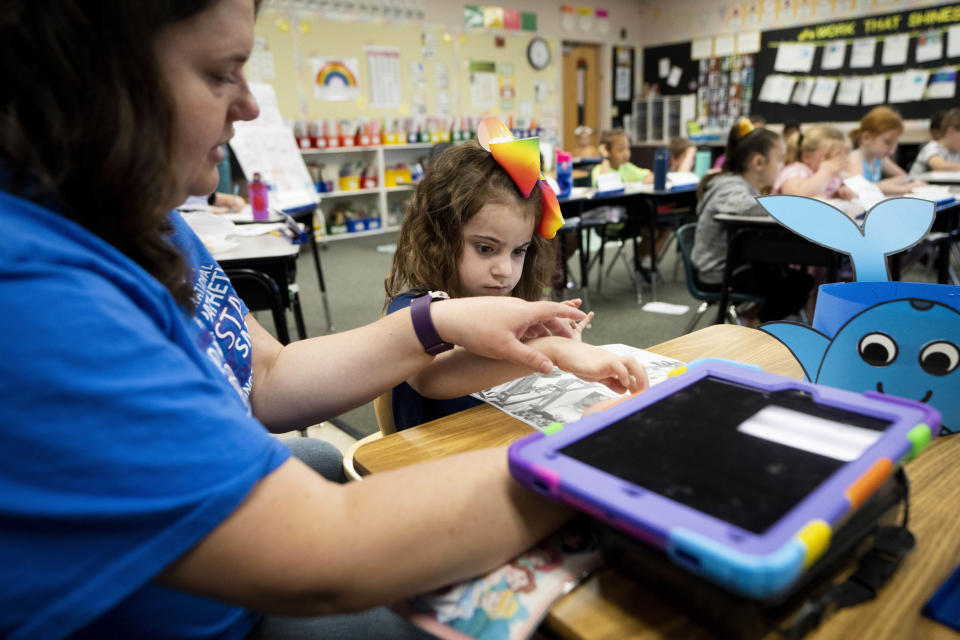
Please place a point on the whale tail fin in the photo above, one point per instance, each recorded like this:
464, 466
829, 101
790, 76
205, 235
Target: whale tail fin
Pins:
892, 225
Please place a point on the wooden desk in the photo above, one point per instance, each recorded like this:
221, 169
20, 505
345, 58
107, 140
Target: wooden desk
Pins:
609, 606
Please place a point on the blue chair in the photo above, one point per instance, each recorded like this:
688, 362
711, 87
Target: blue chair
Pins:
685, 235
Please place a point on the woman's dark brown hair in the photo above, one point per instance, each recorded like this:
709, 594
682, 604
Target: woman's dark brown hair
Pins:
459, 182
86, 121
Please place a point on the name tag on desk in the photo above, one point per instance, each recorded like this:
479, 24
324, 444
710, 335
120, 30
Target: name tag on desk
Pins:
609, 182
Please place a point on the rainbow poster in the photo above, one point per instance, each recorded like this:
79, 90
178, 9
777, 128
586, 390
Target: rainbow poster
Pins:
335, 78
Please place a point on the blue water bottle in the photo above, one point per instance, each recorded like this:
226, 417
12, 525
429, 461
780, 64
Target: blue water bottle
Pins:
661, 162
564, 173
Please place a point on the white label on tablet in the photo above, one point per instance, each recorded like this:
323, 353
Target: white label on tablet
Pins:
810, 433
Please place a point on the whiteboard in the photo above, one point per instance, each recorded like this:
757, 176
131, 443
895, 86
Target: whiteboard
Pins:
267, 145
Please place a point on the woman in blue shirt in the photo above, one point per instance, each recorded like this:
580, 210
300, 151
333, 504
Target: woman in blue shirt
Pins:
140, 494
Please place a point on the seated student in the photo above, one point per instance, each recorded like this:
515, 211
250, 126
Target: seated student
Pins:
615, 151
816, 162
469, 231
936, 122
140, 493
874, 142
756, 120
942, 154
585, 147
790, 127
682, 154
754, 157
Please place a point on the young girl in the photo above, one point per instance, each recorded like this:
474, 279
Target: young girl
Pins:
816, 161
874, 141
943, 153
585, 147
754, 157
615, 151
470, 231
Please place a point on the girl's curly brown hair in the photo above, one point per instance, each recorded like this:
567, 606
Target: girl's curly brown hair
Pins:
461, 180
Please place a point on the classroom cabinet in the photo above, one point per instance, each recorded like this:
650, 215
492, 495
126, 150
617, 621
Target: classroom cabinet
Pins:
364, 190
656, 119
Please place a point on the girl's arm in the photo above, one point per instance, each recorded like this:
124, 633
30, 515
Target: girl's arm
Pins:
458, 373
898, 182
816, 184
308, 381
855, 164
299, 545
937, 163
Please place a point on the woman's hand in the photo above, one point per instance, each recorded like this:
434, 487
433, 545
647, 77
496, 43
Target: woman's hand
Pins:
494, 327
621, 373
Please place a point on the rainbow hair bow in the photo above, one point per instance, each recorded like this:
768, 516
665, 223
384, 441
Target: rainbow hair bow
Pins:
521, 160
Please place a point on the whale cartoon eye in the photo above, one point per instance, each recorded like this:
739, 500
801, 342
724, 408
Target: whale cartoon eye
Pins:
939, 358
877, 349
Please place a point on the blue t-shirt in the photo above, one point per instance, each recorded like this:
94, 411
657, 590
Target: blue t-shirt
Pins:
124, 443
409, 407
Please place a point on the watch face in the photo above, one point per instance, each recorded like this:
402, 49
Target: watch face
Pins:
538, 53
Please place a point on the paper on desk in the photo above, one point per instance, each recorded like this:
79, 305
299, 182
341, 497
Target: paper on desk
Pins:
610, 181
867, 192
212, 229
542, 399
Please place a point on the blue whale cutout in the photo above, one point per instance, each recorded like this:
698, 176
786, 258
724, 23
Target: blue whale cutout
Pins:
890, 226
875, 335
907, 348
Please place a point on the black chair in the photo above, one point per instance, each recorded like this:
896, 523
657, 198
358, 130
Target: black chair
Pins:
685, 235
260, 292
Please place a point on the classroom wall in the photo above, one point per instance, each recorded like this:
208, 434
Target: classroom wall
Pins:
291, 36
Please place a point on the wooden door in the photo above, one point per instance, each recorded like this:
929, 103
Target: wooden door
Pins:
581, 90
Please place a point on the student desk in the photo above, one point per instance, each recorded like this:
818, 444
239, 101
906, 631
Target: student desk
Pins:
274, 256
941, 177
609, 606
641, 202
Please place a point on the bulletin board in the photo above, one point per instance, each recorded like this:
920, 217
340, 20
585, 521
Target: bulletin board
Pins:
659, 62
915, 26
920, 27
295, 49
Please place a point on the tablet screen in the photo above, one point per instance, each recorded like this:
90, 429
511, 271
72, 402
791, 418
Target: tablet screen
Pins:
743, 455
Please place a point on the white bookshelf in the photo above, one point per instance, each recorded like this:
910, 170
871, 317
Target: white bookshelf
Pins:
382, 156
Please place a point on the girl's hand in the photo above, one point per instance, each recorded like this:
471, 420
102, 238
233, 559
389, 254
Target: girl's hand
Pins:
845, 193
493, 326
561, 327
834, 165
620, 373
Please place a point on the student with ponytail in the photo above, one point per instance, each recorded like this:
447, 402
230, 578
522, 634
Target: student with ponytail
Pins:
754, 158
874, 142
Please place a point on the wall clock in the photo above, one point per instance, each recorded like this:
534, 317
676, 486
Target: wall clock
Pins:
538, 53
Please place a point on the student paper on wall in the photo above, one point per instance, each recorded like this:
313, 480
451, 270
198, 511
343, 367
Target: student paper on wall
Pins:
863, 53
929, 46
724, 46
801, 94
777, 88
874, 90
943, 84
849, 91
834, 53
823, 92
794, 56
701, 48
908, 86
675, 74
895, 49
953, 41
748, 42
664, 67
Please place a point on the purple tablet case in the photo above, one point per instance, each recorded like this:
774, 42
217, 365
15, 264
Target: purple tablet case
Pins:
754, 564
